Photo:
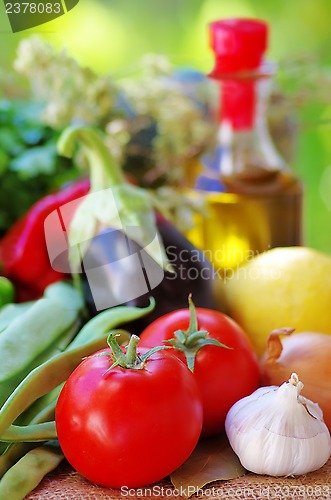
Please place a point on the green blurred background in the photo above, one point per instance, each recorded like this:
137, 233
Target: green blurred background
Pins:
110, 36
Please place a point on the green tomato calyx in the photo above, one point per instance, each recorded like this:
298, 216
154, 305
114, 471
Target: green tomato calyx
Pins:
193, 339
129, 356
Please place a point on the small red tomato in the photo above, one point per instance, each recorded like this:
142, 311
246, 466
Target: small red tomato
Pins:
129, 424
223, 375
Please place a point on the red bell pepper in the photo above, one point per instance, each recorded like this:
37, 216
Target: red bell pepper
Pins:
23, 252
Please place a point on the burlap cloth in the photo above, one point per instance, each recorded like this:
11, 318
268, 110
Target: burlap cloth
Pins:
66, 484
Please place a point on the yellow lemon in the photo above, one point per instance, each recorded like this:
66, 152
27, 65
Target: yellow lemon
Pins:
283, 287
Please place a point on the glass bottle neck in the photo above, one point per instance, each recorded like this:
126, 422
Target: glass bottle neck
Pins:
248, 157
238, 103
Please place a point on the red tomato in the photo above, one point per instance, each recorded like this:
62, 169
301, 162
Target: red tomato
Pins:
127, 426
223, 375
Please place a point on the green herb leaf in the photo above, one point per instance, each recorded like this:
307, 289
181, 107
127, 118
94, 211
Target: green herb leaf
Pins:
35, 161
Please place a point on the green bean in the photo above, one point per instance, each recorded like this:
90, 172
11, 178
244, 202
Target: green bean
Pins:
56, 370
46, 411
60, 291
32, 336
42, 403
66, 294
45, 431
100, 323
43, 379
14, 451
29, 471
39, 391
28, 331
10, 312
12, 454
42, 406
62, 344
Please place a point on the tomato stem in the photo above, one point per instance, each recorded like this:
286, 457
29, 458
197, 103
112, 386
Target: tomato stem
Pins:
193, 339
117, 355
130, 357
131, 350
193, 326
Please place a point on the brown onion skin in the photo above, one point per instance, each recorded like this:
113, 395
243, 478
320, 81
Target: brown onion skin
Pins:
309, 355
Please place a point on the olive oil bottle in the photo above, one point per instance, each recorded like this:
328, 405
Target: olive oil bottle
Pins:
253, 201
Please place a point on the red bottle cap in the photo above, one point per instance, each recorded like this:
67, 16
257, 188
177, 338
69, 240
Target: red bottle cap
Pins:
239, 44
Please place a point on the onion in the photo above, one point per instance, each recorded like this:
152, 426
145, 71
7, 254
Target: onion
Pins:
309, 355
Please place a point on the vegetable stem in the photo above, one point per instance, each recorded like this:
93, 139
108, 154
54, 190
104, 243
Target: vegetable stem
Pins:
118, 355
193, 339
130, 358
131, 350
104, 171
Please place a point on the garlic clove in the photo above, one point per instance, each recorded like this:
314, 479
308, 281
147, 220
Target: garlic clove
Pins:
276, 431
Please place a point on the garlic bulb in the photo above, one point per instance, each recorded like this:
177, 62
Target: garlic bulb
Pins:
276, 431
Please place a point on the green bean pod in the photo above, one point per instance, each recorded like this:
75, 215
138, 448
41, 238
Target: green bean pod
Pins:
11, 311
50, 374
32, 336
15, 451
27, 473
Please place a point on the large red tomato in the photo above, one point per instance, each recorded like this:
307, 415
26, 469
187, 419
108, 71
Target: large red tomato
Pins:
129, 426
223, 375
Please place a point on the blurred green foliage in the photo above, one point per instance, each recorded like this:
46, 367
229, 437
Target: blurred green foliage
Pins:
110, 36
28, 160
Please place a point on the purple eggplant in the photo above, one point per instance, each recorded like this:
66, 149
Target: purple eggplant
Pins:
126, 265
117, 270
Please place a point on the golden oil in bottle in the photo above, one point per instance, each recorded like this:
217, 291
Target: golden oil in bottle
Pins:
257, 202
235, 227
